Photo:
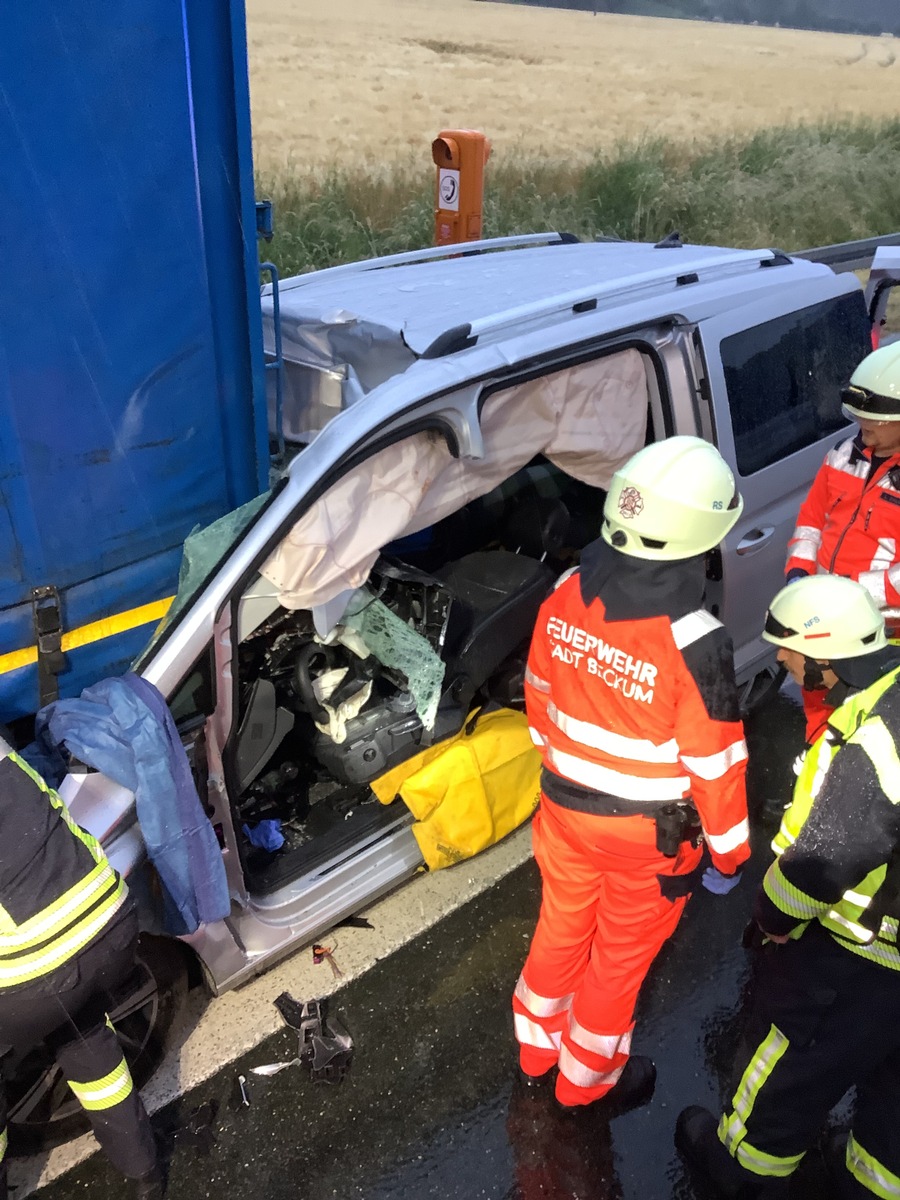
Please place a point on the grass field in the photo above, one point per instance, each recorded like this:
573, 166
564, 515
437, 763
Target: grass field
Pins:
365, 82
614, 125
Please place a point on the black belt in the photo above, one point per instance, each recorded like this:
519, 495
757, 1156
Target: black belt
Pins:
568, 794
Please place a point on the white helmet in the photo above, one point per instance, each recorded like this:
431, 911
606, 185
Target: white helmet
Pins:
874, 391
825, 617
674, 499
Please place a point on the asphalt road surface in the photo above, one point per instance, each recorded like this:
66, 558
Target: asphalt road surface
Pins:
430, 1107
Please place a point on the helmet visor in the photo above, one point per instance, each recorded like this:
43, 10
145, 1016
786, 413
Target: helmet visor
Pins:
860, 402
775, 629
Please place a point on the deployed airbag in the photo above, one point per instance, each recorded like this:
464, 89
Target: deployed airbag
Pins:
587, 419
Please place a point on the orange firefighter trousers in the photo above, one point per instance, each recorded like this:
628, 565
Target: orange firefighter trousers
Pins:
603, 920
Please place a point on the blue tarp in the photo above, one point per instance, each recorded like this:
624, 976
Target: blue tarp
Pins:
123, 728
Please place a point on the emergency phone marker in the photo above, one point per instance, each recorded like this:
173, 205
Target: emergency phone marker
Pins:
460, 156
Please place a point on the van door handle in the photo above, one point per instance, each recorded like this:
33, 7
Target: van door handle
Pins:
755, 540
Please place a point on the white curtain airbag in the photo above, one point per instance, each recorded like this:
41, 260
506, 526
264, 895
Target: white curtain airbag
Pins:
587, 419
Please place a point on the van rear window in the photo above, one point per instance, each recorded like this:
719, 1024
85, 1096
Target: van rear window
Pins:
784, 378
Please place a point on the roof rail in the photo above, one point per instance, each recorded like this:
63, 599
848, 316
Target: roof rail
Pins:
733, 262
456, 250
848, 256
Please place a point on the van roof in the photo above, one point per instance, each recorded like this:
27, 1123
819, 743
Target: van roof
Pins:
425, 301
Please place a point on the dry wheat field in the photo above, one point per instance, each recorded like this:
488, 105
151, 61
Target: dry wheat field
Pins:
342, 82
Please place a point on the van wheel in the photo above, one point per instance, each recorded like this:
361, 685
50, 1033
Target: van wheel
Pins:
42, 1110
759, 690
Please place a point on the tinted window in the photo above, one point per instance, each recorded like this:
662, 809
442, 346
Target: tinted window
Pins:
784, 378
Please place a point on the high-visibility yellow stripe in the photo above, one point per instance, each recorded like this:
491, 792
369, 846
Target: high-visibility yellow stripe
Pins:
104, 1093
733, 1129
872, 1174
88, 839
3, 1139
95, 631
27, 967
58, 916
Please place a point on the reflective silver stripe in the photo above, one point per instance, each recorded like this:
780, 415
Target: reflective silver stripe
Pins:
885, 956
606, 1044
733, 1129
80, 898
540, 685
693, 627
565, 575
874, 583
885, 555
529, 1033
807, 550
541, 1006
857, 898
714, 766
868, 1171
723, 843
805, 542
839, 459
22, 970
615, 783
859, 932
599, 738
576, 1072
538, 740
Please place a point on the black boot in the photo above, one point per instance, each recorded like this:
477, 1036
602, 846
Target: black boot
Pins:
698, 1143
151, 1186
634, 1089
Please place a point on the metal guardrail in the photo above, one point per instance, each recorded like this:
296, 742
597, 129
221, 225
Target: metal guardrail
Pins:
849, 256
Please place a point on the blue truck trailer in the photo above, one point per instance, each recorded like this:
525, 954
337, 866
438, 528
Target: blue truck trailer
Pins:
132, 397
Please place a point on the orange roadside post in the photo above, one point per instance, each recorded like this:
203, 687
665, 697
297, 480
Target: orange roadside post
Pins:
460, 156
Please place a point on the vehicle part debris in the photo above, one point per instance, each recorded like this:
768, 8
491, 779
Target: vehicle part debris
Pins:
240, 1095
324, 1044
324, 954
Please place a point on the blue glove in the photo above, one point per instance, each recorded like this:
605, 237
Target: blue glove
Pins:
794, 574
265, 835
717, 883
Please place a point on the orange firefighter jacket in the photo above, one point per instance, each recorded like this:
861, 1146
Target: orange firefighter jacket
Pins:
849, 524
627, 709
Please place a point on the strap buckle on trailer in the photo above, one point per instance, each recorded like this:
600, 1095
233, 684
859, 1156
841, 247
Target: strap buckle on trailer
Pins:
47, 623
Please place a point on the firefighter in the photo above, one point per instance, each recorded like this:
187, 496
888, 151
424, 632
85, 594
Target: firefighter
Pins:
849, 523
631, 699
68, 933
824, 1011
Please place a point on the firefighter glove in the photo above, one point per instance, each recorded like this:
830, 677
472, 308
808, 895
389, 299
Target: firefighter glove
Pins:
717, 883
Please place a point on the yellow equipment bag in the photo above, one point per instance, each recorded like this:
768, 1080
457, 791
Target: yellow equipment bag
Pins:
470, 791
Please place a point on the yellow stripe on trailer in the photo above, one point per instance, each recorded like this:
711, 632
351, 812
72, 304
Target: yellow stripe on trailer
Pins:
96, 631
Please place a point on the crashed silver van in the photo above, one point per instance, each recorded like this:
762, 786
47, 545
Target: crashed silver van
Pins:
454, 420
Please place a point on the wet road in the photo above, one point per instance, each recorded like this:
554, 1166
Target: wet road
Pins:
431, 1109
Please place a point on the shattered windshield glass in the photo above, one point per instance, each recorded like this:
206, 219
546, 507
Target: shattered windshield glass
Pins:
393, 643
204, 549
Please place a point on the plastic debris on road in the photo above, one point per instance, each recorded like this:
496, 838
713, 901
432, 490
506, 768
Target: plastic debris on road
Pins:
325, 954
325, 1046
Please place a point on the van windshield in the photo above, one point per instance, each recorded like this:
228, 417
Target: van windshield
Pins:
204, 549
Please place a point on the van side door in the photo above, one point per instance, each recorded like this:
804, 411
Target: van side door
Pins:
774, 373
